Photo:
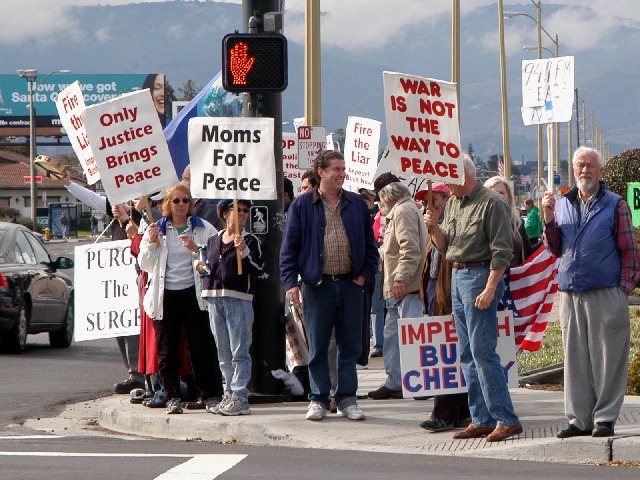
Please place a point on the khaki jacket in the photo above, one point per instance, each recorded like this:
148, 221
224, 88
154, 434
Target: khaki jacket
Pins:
404, 248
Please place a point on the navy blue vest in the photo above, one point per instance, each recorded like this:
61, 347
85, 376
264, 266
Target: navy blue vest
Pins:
590, 258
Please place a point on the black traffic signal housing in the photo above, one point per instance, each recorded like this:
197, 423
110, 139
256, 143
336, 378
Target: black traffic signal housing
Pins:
254, 62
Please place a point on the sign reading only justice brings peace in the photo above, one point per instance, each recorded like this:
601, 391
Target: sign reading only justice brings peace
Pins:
232, 158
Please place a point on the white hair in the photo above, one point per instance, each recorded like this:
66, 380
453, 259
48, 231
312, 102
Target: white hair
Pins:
580, 151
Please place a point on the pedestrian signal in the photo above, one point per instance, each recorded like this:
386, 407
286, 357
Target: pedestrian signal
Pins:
254, 63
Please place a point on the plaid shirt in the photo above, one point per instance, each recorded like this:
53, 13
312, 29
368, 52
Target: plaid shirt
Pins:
625, 241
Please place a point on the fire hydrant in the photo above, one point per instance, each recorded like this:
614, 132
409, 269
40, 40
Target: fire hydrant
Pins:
47, 233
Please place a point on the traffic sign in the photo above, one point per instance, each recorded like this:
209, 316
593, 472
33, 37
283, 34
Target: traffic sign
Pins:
311, 139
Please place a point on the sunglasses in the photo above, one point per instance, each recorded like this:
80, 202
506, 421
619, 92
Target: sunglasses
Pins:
176, 201
241, 210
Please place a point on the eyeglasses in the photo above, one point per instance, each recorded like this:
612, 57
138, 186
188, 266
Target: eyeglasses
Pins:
176, 201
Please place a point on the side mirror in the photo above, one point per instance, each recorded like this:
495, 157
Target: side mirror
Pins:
64, 262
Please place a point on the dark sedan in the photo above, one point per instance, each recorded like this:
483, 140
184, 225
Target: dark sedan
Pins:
34, 296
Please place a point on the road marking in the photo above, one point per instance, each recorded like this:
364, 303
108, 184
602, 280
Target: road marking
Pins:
200, 467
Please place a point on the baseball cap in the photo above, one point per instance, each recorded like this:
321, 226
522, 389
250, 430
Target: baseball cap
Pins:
438, 187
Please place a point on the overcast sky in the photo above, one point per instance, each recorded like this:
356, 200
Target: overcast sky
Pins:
363, 24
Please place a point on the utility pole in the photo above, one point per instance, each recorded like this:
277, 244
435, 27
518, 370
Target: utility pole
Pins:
268, 348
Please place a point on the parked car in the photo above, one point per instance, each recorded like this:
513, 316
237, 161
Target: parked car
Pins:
34, 296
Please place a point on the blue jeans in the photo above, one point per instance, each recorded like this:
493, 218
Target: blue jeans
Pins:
410, 307
377, 314
489, 399
333, 304
232, 322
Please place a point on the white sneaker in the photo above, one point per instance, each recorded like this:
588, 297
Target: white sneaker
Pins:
352, 412
316, 411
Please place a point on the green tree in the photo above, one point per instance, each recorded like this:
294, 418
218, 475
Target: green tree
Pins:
621, 169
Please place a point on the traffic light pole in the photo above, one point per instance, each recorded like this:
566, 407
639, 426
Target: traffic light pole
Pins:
268, 349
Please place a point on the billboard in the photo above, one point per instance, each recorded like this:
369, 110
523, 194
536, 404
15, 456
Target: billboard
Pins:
96, 88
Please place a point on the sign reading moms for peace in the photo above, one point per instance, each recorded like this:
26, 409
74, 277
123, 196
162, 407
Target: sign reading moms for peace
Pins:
106, 293
70, 105
361, 152
129, 146
232, 158
547, 90
422, 127
430, 357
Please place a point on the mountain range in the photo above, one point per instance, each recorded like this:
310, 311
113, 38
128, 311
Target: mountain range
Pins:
183, 40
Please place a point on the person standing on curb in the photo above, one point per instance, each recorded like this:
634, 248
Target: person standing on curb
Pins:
328, 242
476, 239
591, 231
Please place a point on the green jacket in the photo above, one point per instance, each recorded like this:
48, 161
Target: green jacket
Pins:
533, 224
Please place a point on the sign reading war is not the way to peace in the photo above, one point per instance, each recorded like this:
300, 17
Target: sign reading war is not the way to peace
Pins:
422, 126
129, 146
232, 158
70, 105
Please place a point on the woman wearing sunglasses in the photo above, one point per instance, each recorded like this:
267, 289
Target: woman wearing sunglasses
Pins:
229, 288
173, 298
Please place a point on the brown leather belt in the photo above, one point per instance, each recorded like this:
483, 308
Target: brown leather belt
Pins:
484, 263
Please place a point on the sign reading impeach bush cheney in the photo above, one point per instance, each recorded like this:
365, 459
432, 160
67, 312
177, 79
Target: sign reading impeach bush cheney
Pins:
232, 158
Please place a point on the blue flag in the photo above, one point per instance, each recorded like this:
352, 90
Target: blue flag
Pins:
211, 101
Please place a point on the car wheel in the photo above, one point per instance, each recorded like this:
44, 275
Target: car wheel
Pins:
16, 340
62, 338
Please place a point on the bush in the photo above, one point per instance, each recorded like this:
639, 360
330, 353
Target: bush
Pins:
633, 382
622, 169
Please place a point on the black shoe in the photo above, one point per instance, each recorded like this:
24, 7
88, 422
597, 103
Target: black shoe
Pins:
603, 429
436, 425
464, 423
572, 431
384, 393
139, 395
125, 387
376, 353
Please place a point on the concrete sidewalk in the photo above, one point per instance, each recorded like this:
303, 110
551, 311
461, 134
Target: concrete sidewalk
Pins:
391, 426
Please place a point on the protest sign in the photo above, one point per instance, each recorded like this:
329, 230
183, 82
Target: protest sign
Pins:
422, 128
70, 105
633, 199
106, 293
430, 357
361, 143
129, 146
311, 139
290, 168
547, 90
232, 158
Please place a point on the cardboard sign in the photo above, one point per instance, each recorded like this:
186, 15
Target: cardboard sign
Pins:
430, 357
232, 158
422, 127
361, 152
129, 146
547, 90
107, 303
71, 106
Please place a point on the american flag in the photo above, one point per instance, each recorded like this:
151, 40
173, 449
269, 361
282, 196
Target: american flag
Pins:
529, 292
501, 168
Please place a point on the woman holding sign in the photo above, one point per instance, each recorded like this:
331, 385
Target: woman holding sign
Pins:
229, 288
173, 300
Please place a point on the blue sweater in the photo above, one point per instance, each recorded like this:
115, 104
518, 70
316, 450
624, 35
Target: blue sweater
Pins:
302, 248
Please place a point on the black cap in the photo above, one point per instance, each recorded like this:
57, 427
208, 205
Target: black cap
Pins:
383, 180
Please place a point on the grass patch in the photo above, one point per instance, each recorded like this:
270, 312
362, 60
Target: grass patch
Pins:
551, 351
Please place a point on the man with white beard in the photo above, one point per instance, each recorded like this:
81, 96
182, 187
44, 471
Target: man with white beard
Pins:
590, 229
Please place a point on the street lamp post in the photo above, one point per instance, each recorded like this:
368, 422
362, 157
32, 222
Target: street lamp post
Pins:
506, 151
30, 75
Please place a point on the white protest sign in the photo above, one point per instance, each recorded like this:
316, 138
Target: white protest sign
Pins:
311, 139
430, 356
232, 158
129, 146
298, 122
361, 143
70, 105
422, 127
290, 168
547, 90
330, 145
106, 293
